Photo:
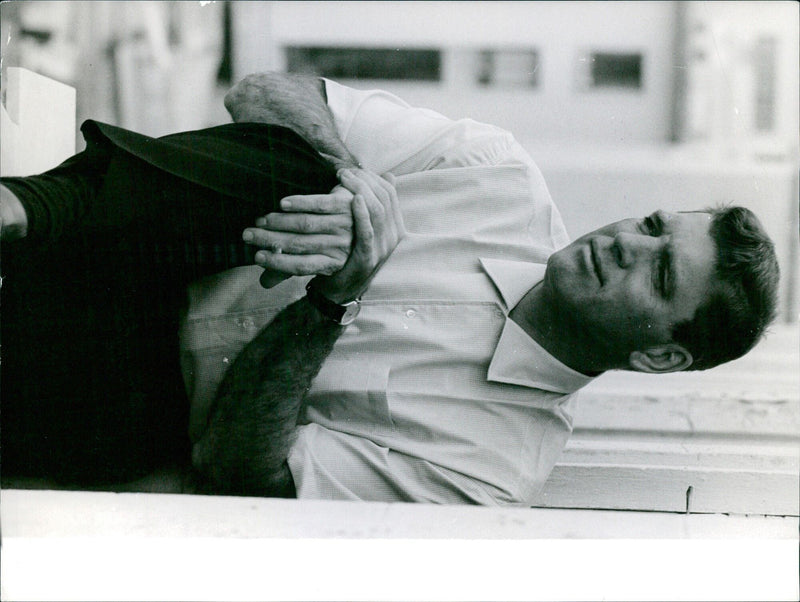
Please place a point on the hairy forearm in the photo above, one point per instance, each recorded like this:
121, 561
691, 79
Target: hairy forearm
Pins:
294, 101
254, 415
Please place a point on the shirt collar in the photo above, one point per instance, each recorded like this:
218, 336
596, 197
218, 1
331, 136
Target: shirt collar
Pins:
513, 278
518, 359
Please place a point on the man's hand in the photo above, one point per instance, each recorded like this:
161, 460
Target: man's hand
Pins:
313, 236
378, 228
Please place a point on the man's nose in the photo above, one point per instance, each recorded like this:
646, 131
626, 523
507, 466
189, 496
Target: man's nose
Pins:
631, 248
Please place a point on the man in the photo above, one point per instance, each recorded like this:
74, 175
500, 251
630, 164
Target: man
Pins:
455, 381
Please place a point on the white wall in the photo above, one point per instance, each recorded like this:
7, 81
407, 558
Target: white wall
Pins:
604, 153
724, 75
562, 32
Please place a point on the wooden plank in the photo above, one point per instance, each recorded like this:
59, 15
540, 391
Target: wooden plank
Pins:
683, 452
672, 489
654, 473
68, 514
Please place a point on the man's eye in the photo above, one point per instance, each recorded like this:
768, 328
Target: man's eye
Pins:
663, 273
661, 277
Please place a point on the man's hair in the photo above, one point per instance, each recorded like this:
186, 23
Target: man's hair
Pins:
744, 301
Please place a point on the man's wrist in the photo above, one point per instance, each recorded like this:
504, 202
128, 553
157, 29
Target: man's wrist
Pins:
338, 162
330, 289
342, 313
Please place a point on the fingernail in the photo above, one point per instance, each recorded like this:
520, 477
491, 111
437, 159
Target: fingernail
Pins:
261, 222
261, 256
286, 204
345, 173
247, 235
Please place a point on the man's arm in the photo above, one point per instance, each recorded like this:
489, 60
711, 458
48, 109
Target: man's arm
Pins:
297, 102
13, 219
253, 418
383, 133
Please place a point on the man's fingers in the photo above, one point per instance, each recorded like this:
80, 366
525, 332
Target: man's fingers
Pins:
395, 206
299, 265
373, 199
307, 223
337, 201
300, 244
362, 224
385, 183
365, 183
373, 188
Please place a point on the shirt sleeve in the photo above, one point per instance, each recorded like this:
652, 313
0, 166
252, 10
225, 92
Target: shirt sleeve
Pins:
56, 200
328, 464
388, 135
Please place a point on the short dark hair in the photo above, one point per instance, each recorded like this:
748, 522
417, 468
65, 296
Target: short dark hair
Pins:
744, 303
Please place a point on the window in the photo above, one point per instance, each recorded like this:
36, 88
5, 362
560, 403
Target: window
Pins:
616, 70
508, 68
365, 63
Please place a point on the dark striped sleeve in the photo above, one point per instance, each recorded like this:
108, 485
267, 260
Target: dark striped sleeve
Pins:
55, 201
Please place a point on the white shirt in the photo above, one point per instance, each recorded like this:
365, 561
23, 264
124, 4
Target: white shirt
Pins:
432, 394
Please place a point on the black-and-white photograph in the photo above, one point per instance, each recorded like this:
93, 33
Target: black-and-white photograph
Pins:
399, 300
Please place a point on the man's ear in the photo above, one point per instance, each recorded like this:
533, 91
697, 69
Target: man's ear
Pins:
661, 359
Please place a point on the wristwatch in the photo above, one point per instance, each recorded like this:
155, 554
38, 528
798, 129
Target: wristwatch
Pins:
341, 314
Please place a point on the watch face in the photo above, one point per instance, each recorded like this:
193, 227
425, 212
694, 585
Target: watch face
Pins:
350, 312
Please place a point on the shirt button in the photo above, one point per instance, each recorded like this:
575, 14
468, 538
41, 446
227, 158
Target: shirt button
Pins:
411, 313
245, 323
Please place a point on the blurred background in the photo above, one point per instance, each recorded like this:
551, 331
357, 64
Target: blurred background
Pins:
626, 106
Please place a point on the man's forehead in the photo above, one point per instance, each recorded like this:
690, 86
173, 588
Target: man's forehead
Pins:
695, 253
689, 228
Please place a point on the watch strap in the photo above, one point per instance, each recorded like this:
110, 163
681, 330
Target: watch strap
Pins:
340, 313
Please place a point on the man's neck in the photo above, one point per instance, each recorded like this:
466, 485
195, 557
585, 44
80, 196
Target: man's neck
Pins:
541, 320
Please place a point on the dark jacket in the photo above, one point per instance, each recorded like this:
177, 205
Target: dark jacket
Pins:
92, 297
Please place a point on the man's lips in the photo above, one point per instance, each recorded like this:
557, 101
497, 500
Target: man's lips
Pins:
596, 262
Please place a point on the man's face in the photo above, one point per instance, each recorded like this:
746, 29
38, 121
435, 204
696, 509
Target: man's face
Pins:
623, 287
